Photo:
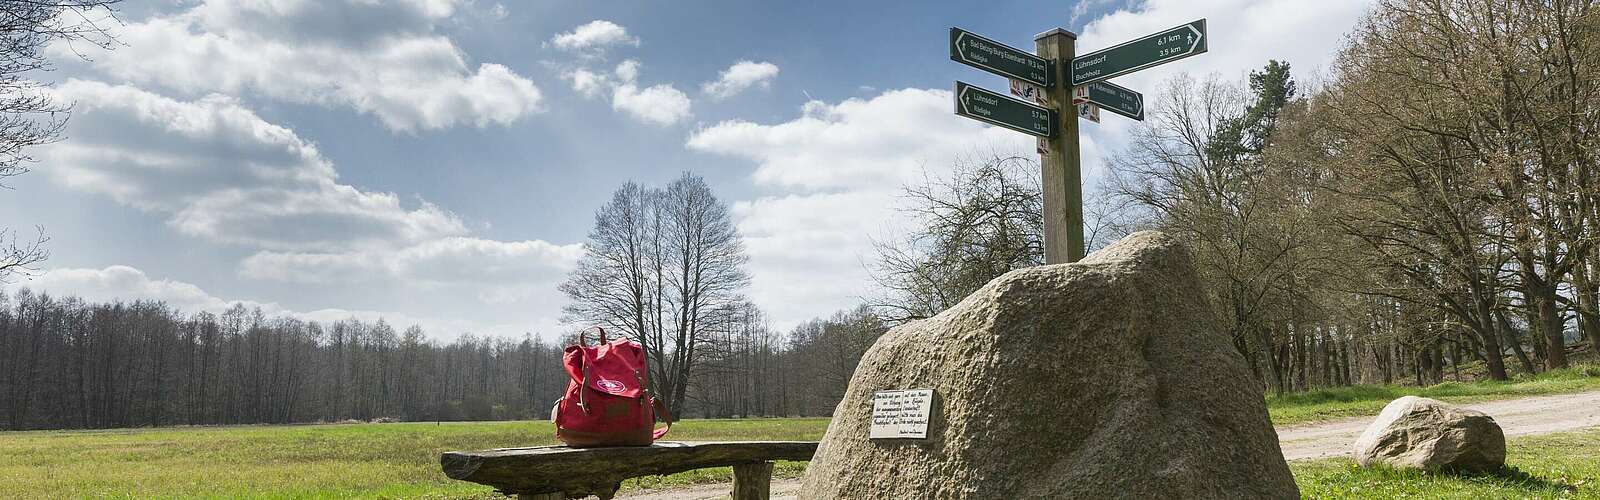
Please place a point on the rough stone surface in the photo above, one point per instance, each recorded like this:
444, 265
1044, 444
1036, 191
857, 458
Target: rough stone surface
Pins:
1423, 433
1106, 378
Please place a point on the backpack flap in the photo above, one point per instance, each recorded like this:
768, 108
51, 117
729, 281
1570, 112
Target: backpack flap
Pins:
616, 368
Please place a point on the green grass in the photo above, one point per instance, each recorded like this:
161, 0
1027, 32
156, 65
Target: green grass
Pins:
1550, 466
1324, 404
309, 461
401, 460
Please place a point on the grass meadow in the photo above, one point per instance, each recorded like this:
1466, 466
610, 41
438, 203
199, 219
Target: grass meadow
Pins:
1565, 465
400, 460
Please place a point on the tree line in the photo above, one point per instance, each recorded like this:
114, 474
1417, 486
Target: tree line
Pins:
66, 363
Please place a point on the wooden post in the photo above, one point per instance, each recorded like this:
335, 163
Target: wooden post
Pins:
1061, 171
752, 481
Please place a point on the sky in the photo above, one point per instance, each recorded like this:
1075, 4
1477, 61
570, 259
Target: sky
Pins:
439, 162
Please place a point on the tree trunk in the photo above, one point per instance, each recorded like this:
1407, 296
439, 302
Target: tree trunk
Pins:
1535, 332
1554, 329
1265, 336
1485, 328
1588, 294
1455, 360
1516, 345
1379, 358
1300, 358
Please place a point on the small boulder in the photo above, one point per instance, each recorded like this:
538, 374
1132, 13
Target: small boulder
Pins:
1106, 378
1422, 433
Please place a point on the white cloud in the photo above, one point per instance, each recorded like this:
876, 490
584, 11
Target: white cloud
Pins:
660, 104
221, 173
833, 175
807, 251
857, 143
217, 171
382, 58
596, 35
628, 71
656, 105
1305, 34
588, 83
1083, 7
497, 272
742, 75
124, 283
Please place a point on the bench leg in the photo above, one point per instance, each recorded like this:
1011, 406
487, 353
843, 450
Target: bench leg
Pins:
543, 496
752, 481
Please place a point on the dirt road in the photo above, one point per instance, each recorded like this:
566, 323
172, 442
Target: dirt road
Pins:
1535, 415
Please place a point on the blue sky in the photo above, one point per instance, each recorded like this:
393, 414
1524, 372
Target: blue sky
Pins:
438, 162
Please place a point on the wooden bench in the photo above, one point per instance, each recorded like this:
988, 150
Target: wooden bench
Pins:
558, 472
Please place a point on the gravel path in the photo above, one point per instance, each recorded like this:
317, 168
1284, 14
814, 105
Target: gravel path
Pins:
1535, 415
1518, 417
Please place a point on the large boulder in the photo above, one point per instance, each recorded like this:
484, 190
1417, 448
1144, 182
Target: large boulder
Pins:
1103, 378
1422, 433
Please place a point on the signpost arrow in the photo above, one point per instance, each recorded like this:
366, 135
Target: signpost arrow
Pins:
994, 108
968, 48
1114, 98
1164, 47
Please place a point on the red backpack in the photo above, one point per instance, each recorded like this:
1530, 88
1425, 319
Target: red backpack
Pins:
606, 403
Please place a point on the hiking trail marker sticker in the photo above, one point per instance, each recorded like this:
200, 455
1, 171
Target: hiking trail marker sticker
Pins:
901, 414
1114, 98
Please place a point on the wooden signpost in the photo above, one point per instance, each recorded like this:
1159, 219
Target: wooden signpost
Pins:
1066, 82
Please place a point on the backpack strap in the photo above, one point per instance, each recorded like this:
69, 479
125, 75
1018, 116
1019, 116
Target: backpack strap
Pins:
661, 409
583, 386
583, 335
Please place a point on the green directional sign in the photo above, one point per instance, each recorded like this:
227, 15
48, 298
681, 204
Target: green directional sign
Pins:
1164, 47
995, 57
1114, 98
993, 108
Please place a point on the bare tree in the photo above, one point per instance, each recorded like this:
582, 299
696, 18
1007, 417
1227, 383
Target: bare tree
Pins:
1198, 170
707, 274
656, 265
984, 219
29, 115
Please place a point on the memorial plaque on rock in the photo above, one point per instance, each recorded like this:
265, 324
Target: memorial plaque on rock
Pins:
901, 414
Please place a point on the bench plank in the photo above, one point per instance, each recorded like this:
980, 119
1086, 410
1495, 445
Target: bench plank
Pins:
578, 472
